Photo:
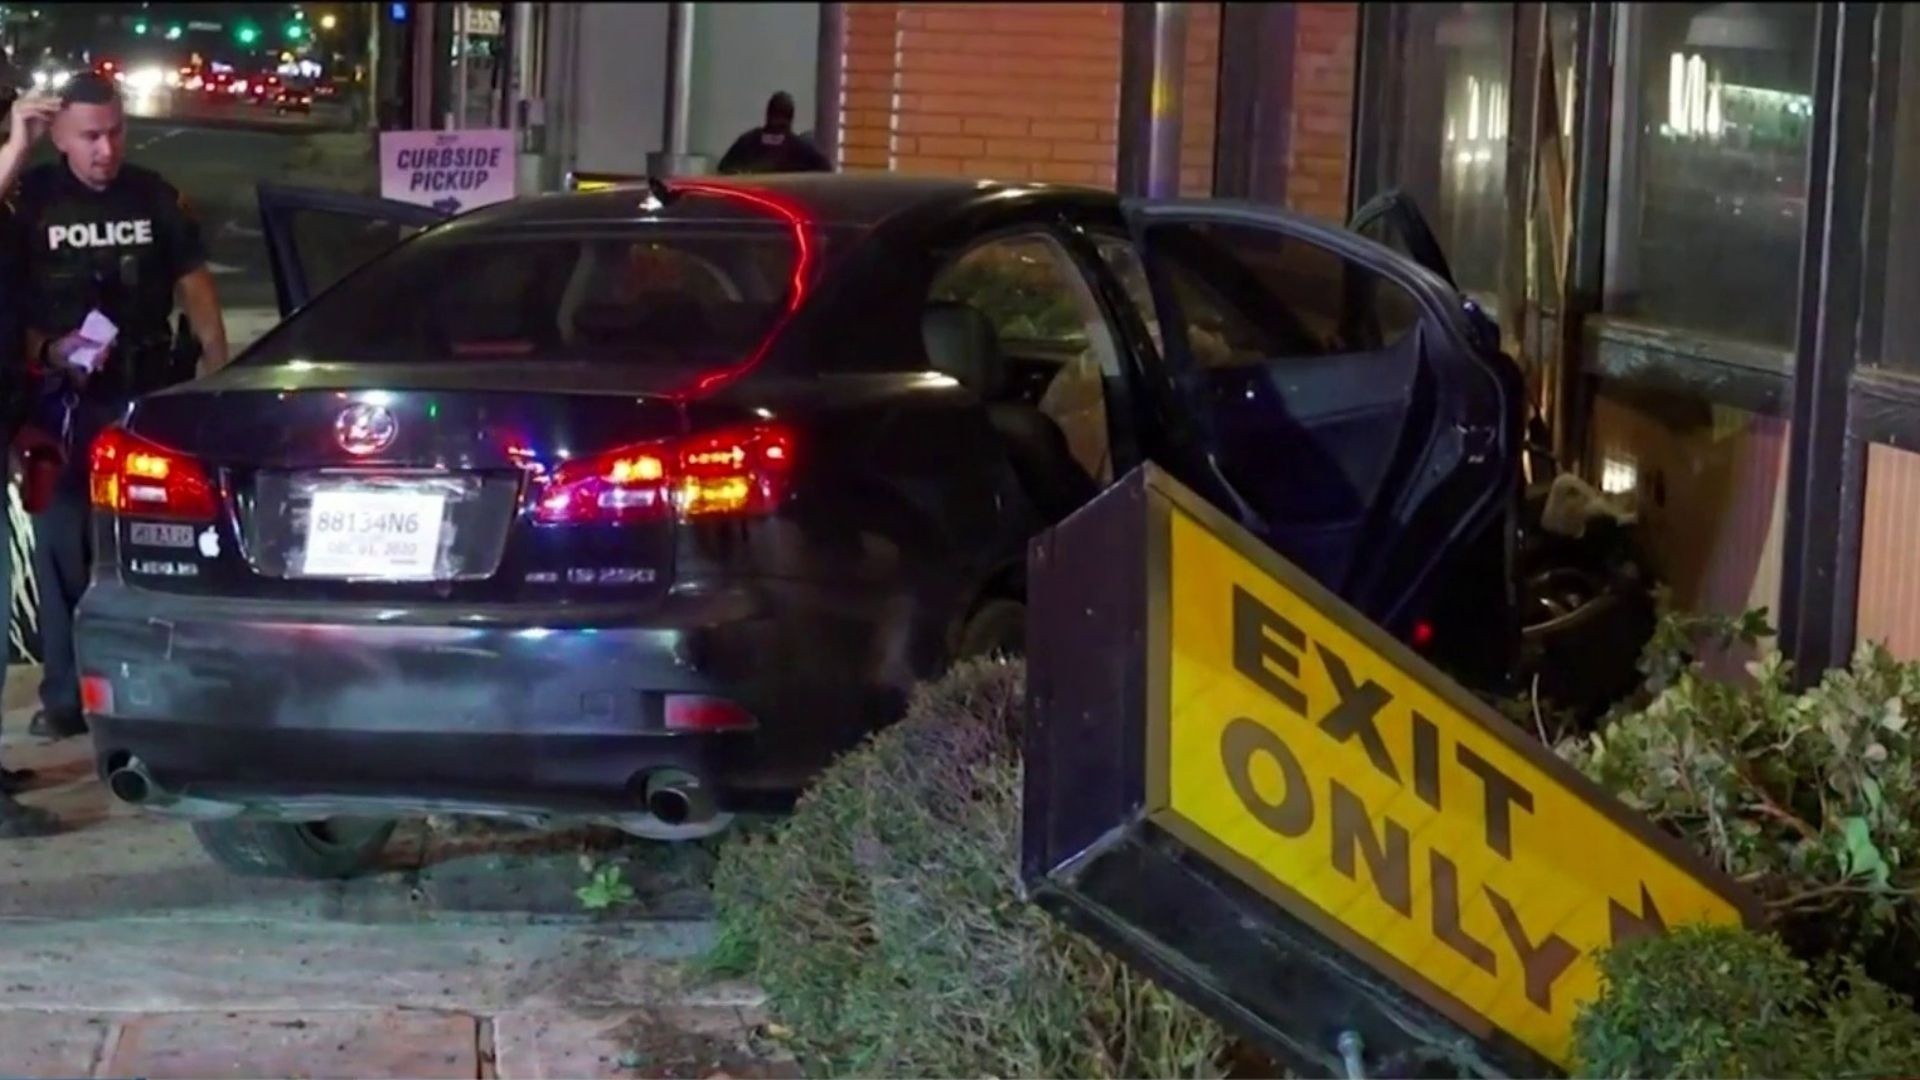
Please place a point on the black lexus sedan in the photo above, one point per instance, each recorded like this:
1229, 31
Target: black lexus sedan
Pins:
638, 506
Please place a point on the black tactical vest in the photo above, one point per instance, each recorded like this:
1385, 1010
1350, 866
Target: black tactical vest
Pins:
108, 250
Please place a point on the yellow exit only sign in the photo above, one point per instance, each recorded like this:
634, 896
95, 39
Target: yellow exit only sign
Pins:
1344, 781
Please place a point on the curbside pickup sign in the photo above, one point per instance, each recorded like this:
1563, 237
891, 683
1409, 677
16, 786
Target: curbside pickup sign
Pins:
1407, 864
451, 171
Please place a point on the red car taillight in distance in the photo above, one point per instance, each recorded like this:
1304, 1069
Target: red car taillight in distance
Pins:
738, 472
130, 475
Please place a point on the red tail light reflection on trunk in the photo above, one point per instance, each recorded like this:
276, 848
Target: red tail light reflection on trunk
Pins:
740, 471
130, 475
693, 712
96, 695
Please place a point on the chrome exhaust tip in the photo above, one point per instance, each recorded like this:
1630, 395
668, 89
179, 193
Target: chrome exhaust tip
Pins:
674, 797
130, 783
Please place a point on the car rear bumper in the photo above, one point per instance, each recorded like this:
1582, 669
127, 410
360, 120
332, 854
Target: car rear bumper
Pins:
277, 708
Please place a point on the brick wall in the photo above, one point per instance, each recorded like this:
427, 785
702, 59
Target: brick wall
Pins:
1010, 91
1200, 93
1326, 39
1032, 92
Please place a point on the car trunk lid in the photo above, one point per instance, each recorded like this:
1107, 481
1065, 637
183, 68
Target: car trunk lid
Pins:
409, 491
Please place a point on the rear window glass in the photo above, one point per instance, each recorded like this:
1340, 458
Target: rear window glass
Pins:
685, 295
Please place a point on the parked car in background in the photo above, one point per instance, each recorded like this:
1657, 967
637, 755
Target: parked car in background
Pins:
639, 506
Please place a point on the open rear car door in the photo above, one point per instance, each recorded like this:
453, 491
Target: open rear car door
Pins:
1340, 398
316, 237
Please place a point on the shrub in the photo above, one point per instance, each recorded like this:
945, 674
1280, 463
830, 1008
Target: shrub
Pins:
1811, 799
1725, 1002
885, 921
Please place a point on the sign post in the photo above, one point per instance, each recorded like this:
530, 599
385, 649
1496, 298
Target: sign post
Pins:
450, 171
1238, 783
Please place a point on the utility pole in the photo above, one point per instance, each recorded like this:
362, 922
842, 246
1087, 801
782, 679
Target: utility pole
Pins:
426, 60
527, 92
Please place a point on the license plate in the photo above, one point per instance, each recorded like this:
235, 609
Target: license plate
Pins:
387, 535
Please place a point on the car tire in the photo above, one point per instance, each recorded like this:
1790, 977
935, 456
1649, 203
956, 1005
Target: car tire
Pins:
322, 851
997, 627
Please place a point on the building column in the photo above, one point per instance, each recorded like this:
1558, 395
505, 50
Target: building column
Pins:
1257, 54
1153, 54
830, 67
677, 130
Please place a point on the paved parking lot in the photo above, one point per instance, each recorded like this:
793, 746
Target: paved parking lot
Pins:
123, 952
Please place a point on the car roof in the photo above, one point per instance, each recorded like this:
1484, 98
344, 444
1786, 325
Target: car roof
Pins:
844, 199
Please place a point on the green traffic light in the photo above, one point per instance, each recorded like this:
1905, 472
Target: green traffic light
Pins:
174, 32
294, 30
247, 35
140, 27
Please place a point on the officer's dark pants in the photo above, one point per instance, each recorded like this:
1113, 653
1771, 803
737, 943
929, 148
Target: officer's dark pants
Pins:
63, 559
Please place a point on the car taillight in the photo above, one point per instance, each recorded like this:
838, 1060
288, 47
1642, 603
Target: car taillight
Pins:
740, 471
130, 475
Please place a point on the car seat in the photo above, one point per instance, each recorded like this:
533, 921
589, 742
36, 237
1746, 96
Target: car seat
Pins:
961, 343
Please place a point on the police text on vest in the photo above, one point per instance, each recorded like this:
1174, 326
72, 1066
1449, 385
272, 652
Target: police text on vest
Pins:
94, 234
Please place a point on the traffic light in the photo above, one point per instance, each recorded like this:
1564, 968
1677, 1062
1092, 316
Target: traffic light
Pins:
140, 27
246, 33
295, 31
174, 31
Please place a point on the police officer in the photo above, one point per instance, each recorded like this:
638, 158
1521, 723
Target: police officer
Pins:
773, 147
94, 234
26, 120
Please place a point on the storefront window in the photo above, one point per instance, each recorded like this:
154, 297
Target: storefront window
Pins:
1442, 136
1713, 113
1890, 317
1475, 43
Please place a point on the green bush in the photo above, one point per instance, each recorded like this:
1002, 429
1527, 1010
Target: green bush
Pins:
1724, 1002
1811, 798
885, 920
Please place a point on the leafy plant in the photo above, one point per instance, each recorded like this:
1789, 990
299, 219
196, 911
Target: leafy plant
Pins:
1810, 798
885, 922
606, 886
1725, 1002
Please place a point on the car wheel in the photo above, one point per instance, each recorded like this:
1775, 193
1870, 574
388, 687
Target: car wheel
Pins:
997, 627
335, 848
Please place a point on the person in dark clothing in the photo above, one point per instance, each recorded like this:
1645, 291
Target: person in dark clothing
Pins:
773, 147
26, 120
94, 235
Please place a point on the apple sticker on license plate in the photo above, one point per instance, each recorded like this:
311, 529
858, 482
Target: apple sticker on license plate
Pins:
388, 535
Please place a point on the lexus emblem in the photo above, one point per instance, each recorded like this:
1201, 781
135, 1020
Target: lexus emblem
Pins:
365, 429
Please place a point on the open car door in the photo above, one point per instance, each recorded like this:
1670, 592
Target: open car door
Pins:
1391, 220
1334, 394
316, 237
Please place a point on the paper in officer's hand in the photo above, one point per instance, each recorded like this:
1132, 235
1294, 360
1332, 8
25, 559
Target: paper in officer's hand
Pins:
98, 334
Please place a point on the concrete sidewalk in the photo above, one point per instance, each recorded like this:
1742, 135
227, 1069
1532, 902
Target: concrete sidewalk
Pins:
245, 325
172, 998
125, 952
